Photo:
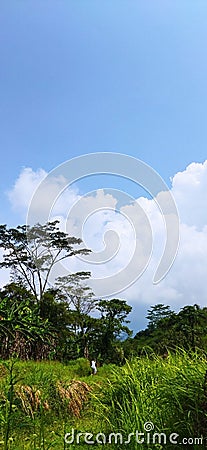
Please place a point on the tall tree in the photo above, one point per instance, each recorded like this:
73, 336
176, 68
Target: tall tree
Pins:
32, 252
78, 294
82, 302
191, 323
157, 313
112, 324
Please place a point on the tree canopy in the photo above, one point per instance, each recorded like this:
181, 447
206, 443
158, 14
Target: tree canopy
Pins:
31, 252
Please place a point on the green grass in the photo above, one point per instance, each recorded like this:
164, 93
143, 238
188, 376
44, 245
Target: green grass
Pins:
168, 393
44, 424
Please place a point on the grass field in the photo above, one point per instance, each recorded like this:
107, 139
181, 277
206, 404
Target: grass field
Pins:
41, 402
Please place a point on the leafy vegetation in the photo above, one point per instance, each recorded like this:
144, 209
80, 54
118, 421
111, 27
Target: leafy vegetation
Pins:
186, 329
41, 402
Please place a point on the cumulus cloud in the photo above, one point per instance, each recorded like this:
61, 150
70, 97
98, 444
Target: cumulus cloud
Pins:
189, 189
22, 194
115, 234
25, 185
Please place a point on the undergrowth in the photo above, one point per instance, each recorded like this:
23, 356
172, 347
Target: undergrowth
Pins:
41, 402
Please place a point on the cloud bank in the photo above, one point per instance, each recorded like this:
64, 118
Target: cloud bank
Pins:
116, 233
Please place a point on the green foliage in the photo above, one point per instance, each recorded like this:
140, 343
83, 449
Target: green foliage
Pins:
76, 292
169, 393
186, 329
112, 323
54, 331
81, 367
23, 332
38, 400
8, 415
157, 313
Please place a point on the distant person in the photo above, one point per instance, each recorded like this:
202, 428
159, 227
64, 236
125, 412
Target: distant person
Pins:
93, 367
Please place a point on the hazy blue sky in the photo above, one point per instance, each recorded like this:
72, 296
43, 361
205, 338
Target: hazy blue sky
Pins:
127, 76
87, 76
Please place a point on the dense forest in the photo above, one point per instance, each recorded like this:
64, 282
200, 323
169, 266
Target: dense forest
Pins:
64, 320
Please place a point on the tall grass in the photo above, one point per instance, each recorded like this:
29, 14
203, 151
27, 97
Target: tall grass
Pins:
40, 402
168, 393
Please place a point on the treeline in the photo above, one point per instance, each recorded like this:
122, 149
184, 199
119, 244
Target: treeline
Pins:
62, 319
55, 331
168, 330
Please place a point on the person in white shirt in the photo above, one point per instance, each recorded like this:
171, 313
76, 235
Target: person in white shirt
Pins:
93, 367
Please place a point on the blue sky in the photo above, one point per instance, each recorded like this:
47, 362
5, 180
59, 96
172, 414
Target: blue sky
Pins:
89, 76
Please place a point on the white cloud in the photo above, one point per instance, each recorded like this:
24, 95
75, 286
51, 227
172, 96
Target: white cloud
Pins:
4, 273
21, 193
113, 234
189, 189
